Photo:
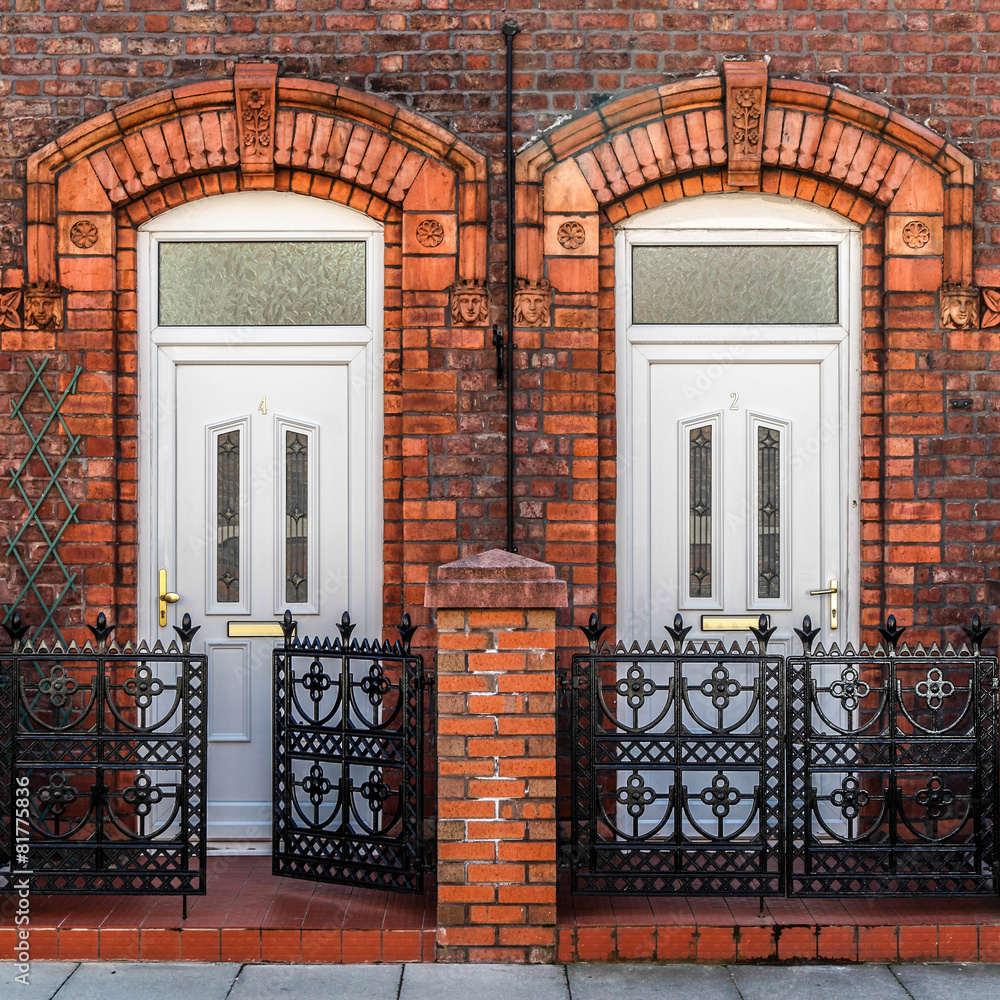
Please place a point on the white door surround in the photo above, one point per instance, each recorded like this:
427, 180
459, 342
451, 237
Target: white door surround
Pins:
322, 381
669, 375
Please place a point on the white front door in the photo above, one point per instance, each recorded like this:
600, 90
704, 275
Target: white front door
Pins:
261, 440
738, 421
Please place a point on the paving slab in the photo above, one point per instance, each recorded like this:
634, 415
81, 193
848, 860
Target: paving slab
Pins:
819, 982
149, 981
651, 982
317, 982
952, 981
484, 982
44, 978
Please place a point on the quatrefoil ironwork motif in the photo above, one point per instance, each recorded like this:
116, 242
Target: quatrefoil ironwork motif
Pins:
635, 686
316, 785
934, 689
316, 680
635, 795
935, 797
850, 689
58, 685
57, 794
720, 687
375, 791
375, 685
850, 798
720, 795
143, 794
143, 686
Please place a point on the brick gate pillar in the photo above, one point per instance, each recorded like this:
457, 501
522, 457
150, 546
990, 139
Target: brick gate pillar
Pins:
496, 704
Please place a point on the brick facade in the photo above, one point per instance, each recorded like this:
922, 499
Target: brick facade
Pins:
144, 106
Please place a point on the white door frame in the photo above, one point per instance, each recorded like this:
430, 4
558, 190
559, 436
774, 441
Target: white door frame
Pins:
258, 215
731, 218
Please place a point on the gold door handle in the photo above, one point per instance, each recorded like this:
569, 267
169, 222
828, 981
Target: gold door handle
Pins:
165, 598
832, 590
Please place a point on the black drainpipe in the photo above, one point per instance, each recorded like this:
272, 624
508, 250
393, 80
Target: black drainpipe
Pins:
510, 29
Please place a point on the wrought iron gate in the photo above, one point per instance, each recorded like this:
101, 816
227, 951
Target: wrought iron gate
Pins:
697, 769
102, 765
348, 748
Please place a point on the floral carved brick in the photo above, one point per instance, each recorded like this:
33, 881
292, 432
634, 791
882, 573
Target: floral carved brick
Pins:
10, 318
959, 307
991, 308
746, 99
256, 92
531, 302
43, 307
470, 305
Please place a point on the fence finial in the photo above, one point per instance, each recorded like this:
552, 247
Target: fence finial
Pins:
976, 633
593, 631
101, 631
15, 630
186, 631
762, 633
891, 633
406, 630
288, 626
807, 634
679, 632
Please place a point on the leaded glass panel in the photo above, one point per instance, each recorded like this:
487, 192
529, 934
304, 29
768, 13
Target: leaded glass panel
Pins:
296, 517
700, 513
263, 283
734, 284
768, 512
227, 558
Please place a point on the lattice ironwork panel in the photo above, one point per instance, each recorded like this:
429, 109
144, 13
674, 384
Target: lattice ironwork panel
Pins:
104, 765
677, 768
348, 748
49, 510
893, 770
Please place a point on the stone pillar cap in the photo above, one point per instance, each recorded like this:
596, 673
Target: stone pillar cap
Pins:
495, 579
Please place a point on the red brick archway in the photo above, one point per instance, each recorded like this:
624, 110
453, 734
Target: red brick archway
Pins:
819, 144
89, 190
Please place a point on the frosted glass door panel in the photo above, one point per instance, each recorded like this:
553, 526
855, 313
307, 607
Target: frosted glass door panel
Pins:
307, 283
734, 284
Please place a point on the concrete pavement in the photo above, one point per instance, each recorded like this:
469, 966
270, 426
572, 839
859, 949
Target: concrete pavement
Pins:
231, 981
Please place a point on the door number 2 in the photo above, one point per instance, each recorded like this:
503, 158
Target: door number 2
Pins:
735, 404
263, 405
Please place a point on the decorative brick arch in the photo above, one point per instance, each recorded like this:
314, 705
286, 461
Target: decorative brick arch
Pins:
818, 143
90, 190
352, 144
908, 190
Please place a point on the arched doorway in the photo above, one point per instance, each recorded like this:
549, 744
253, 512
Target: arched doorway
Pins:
737, 392
260, 438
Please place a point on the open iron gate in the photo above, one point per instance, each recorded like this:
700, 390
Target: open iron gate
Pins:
697, 769
102, 765
348, 749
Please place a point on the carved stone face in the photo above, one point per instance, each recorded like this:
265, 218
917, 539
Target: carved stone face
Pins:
469, 306
959, 309
531, 303
532, 306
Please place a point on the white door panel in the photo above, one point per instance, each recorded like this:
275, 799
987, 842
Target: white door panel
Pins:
258, 412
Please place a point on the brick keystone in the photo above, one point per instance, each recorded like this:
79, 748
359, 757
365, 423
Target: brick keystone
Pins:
495, 579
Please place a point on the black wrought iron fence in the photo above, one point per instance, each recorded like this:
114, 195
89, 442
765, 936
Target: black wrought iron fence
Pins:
698, 769
103, 765
348, 747
892, 766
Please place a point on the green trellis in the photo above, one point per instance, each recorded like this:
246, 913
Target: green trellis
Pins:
52, 532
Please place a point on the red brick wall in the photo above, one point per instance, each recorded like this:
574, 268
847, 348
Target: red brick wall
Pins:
63, 63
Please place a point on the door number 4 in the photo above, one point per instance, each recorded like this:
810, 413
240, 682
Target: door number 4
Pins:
735, 404
263, 405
